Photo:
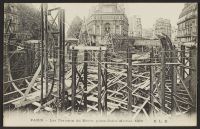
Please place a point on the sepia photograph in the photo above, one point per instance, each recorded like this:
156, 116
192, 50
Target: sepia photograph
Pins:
100, 64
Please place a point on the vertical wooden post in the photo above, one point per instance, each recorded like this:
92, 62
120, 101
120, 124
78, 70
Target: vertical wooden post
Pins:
60, 57
182, 69
163, 67
46, 46
85, 79
30, 60
190, 72
106, 77
60, 54
27, 62
58, 61
63, 58
129, 78
33, 58
193, 88
73, 79
151, 81
42, 51
99, 80
142, 48
174, 83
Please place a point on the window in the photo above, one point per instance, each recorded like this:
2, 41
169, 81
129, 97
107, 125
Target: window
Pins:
98, 30
107, 28
117, 29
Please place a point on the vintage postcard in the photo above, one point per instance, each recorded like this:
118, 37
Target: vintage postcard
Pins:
100, 64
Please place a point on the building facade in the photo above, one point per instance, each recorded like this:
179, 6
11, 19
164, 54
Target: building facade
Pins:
135, 28
162, 26
174, 34
107, 18
188, 23
147, 33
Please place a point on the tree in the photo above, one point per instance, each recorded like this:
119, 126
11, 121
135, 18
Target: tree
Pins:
74, 28
29, 19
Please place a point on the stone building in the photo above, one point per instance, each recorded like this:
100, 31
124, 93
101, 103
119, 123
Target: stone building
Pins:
187, 41
188, 23
107, 18
147, 33
162, 26
174, 34
135, 26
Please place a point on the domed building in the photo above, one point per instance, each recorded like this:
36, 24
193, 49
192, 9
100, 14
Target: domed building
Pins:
107, 18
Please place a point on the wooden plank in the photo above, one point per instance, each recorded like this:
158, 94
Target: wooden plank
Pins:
145, 102
88, 48
115, 79
121, 102
184, 85
29, 100
109, 112
119, 81
29, 83
71, 39
92, 107
145, 113
124, 74
44, 105
147, 42
114, 100
176, 104
141, 85
91, 88
146, 64
139, 96
39, 107
14, 92
118, 90
32, 81
183, 100
115, 92
11, 101
94, 99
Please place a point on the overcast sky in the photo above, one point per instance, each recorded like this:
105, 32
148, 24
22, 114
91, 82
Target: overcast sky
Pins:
148, 12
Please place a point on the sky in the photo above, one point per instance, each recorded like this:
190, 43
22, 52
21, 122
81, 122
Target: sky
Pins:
148, 12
